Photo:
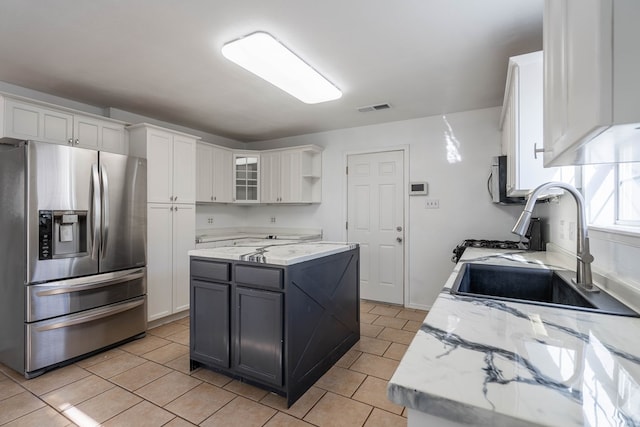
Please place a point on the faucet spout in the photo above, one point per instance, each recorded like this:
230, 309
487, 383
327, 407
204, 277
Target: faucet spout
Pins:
583, 254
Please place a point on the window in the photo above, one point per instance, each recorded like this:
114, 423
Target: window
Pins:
612, 192
629, 194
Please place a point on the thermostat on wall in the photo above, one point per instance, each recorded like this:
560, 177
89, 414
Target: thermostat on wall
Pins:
418, 188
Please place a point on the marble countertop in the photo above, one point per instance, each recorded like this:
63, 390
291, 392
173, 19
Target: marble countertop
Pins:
491, 362
278, 252
233, 233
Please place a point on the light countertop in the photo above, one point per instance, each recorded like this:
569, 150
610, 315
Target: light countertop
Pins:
278, 252
491, 362
234, 233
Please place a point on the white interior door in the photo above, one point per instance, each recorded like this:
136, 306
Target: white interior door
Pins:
375, 194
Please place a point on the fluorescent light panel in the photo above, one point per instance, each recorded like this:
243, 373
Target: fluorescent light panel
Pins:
265, 57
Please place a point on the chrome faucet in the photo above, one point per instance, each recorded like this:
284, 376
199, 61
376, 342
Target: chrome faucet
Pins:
583, 271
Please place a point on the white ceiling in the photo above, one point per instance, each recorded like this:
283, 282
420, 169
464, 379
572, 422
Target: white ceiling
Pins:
161, 58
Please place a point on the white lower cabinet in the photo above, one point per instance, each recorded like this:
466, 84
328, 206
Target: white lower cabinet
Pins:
170, 236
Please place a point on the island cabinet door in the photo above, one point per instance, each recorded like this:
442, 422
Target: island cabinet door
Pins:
258, 328
210, 331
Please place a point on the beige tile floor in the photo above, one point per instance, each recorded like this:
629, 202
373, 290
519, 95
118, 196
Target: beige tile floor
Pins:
147, 383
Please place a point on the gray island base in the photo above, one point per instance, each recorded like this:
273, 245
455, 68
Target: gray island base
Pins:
278, 327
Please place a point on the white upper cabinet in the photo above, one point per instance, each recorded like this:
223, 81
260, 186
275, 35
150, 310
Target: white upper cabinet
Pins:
26, 120
171, 163
214, 174
292, 175
97, 134
246, 177
270, 177
591, 85
204, 172
521, 125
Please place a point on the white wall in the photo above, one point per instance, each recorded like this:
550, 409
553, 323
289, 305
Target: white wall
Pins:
452, 154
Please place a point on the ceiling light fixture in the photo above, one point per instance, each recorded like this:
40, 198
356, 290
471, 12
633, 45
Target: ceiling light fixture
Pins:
267, 58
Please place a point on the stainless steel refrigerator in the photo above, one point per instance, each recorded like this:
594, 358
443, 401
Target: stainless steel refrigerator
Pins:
72, 253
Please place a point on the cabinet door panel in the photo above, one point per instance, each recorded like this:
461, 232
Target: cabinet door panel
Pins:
184, 237
246, 182
113, 139
222, 175
258, 329
57, 127
86, 131
209, 336
159, 260
23, 121
204, 172
159, 167
291, 177
184, 170
270, 177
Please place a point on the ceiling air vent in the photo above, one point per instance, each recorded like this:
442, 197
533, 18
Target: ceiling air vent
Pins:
376, 107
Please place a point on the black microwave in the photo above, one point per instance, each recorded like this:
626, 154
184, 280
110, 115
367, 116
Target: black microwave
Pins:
497, 184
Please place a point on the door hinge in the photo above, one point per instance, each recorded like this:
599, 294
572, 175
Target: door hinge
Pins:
346, 225
346, 170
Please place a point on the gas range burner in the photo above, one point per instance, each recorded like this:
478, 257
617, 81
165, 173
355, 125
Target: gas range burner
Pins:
491, 244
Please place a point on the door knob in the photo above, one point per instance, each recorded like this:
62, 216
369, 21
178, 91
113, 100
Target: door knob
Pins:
399, 239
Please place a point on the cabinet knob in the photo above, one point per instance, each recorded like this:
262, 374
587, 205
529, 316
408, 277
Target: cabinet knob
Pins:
175, 198
77, 141
176, 209
214, 198
171, 198
211, 197
70, 140
399, 239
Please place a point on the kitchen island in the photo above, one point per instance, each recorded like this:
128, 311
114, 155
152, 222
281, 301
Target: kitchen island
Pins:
479, 361
275, 314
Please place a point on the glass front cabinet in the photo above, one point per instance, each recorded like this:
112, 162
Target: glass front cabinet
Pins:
246, 185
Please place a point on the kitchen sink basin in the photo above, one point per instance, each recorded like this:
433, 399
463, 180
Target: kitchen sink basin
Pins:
533, 286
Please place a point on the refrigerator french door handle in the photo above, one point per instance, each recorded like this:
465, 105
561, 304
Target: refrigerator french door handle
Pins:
84, 283
95, 216
105, 207
97, 314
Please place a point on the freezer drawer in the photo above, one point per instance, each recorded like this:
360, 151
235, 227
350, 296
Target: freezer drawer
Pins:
56, 340
65, 297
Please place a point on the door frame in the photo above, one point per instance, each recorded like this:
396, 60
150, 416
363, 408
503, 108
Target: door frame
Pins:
405, 199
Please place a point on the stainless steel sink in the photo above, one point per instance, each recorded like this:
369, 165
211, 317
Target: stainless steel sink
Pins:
533, 286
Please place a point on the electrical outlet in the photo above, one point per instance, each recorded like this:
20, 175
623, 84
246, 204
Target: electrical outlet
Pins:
432, 204
210, 220
273, 219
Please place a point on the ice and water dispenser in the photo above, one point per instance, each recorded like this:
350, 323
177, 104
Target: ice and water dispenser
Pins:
62, 234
